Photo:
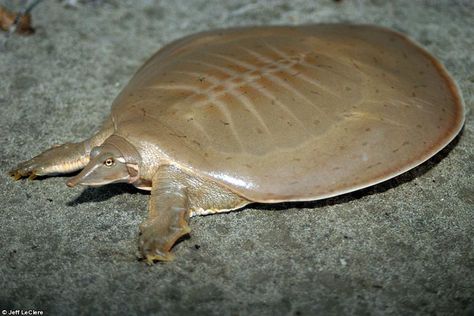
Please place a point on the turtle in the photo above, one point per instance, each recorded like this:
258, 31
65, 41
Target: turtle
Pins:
268, 114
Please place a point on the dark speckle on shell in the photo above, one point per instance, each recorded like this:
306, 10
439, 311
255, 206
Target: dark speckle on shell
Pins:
292, 113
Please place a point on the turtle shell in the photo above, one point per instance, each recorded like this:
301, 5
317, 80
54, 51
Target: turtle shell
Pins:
291, 113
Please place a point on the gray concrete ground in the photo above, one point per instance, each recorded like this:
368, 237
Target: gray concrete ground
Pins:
401, 248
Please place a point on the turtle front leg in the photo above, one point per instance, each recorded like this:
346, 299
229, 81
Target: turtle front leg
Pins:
175, 196
63, 158
168, 216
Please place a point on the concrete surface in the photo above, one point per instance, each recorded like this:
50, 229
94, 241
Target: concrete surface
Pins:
401, 248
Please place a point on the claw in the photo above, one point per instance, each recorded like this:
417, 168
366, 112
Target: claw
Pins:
185, 230
16, 176
155, 247
160, 257
21, 171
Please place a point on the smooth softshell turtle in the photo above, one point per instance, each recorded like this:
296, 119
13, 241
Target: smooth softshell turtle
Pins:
220, 119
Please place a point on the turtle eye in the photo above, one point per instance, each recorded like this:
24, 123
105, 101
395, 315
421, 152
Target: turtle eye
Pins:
109, 162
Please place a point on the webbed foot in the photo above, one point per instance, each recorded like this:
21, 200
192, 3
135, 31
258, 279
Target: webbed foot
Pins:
64, 158
168, 216
157, 238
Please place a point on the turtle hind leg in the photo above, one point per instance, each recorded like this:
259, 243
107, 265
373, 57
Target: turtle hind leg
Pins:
175, 196
63, 158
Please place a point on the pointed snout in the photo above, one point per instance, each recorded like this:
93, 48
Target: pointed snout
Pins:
97, 172
85, 177
72, 182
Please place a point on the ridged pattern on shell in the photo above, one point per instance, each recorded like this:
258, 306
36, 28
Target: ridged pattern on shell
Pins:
292, 113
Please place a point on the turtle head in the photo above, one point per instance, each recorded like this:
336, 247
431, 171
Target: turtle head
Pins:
116, 160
